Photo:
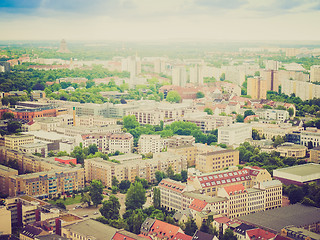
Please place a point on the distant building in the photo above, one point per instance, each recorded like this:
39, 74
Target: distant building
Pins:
4, 66
63, 47
257, 88
315, 155
315, 73
234, 134
292, 150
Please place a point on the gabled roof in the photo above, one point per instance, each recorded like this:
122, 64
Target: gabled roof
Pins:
222, 219
182, 236
31, 231
125, 235
235, 189
172, 185
260, 234
202, 236
198, 205
243, 228
163, 230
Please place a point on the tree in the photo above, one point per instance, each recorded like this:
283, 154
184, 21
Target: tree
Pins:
86, 199
110, 209
95, 191
248, 113
296, 195
61, 205
130, 122
156, 197
170, 172
173, 97
223, 77
160, 175
278, 141
255, 134
78, 153
190, 227
184, 175
124, 185
13, 126
208, 111
291, 112
136, 196
228, 235
200, 95
135, 220
7, 115
114, 182
239, 118
93, 149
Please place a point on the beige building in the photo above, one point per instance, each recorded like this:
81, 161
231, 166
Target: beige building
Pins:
315, 73
234, 134
190, 152
292, 150
273, 193
256, 200
237, 199
217, 160
110, 142
178, 140
47, 183
94, 121
97, 168
14, 141
5, 173
257, 88
5, 221
150, 144
36, 147
273, 130
310, 135
315, 155
209, 183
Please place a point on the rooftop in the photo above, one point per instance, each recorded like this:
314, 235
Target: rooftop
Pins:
301, 170
276, 219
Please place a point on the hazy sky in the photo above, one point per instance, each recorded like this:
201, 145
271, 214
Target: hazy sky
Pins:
159, 19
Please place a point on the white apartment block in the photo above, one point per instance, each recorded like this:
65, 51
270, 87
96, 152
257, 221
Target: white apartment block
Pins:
310, 135
147, 116
179, 140
304, 90
151, 144
97, 168
273, 193
234, 134
94, 121
315, 73
279, 115
208, 123
73, 131
36, 147
179, 76
109, 142
196, 75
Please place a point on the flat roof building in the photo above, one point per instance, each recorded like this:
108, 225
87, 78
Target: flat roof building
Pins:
298, 175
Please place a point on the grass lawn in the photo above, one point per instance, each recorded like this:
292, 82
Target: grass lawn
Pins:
68, 201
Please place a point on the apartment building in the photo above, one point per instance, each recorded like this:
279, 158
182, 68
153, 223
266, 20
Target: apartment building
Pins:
273, 193
36, 147
97, 168
109, 142
217, 160
209, 122
5, 221
273, 130
209, 183
310, 135
273, 114
5, 173
44, 183
150, 144
94, 121
78, 130
315, 155
256, 200
178, 140
147, 116
234, 134
15, 140
315, 73
257, 88
237, 199
190, 152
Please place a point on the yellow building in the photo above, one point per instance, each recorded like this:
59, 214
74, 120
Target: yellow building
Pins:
14, 141
189, 151
273, 194
315, 155
45, 183
257, 88
292, 150
5, 173
5, 221
217, 160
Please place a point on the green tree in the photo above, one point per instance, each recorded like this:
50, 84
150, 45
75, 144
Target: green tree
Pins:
255, 134
184, 175
7, 115
296, 195
114, 182
14, 126
278, 141
110, 209
170, 172
93, 149
223, 77
160, 175
190, 227
200, 95
79, 154
124, 185
135, 220
208, 111
173, 97
228, 235
156, 197
239, 118
130, 122
248, 113
291, 112
95, 191
61, 205
136, 196
86, 199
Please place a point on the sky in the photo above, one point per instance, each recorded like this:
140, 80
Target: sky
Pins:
135, 20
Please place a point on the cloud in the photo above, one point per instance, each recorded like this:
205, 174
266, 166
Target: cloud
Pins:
221, 4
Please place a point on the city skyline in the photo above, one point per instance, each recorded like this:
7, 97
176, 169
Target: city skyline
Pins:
134, 20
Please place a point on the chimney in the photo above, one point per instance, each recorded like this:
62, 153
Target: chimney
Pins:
58, 226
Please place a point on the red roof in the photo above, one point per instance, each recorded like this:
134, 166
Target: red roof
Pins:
119, 236
222, 219
174, 186
235, 189
181, 236
164, 230
259, 234
198, 205
216, 179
